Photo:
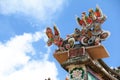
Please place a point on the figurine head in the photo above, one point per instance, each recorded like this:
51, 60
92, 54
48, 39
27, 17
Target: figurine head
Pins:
91, 10
77, 30
83, 14
48, 29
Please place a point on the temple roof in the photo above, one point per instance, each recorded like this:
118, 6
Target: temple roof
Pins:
83, 46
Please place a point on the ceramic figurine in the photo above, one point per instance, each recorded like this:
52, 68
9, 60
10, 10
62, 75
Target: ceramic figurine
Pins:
80, 22
91, 14
53, 38
98, 12
76, 34
50, 36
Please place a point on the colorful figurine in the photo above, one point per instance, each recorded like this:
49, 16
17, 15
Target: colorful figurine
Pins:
91, 14
80, 22
98, 12
100, 17
53, 38
50, 36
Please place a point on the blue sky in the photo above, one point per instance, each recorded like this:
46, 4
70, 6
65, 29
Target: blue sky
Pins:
23, 50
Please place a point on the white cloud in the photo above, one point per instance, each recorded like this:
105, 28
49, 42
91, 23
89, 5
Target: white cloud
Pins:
15, 64
39, 9
35, 71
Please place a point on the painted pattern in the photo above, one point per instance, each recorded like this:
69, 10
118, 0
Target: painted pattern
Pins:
77, 74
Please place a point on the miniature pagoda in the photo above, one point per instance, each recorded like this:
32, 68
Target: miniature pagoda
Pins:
81, 53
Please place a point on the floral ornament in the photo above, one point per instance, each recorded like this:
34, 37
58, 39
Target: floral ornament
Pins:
77, 73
